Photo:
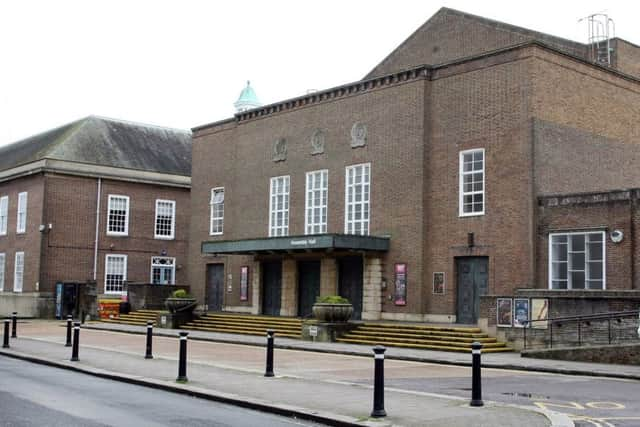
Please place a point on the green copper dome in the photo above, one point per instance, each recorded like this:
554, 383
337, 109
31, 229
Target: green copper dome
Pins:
247, 99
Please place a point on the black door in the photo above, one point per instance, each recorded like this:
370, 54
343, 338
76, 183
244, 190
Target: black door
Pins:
350, 283
215, 286
308, 286
472, 283
271, 287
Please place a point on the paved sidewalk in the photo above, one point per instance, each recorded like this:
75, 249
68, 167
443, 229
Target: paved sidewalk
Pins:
333, 388
511, 360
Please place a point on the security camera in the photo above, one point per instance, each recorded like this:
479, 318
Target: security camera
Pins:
616, 236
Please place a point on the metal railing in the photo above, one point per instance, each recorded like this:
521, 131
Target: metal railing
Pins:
575, 331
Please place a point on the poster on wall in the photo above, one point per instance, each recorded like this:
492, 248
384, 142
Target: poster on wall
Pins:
504, 312
401, 284
520, 312
244, 283
438, 283
540, 312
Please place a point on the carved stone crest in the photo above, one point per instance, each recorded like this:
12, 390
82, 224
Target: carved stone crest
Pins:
318, 138
358, 135
280, 150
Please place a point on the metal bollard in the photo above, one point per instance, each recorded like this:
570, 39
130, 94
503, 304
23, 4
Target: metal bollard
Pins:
476, 378
269, 371
378, 383
149, 354
182, 362
69, 324
5, 343
76, 342
14, 326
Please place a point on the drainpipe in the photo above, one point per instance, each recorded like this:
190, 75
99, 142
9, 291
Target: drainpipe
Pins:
95, 248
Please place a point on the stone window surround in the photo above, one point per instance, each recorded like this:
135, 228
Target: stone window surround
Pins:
109, 269
462, 174
155, 264
280, 186
216, 212
165, 204
316, 182
603, 242
349, 225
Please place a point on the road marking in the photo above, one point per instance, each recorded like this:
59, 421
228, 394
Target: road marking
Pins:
605, 405
565, 405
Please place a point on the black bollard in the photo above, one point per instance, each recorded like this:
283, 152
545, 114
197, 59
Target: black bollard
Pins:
269, 371
182, 362
378, 383
149, 354
5, 343
76, 342
476, 381
14, 325
69, 324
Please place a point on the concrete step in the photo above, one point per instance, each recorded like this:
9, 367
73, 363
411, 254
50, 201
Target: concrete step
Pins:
409, 327
392, 340
238, 331
246, 317
260, 329
246, 322
423, 336
440, 347
430, 334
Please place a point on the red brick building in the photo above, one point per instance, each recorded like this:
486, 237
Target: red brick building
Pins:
97, 201
420, 188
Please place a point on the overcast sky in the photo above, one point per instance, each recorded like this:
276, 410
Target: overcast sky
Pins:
183, 63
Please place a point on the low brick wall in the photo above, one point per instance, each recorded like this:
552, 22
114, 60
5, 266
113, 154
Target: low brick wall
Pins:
626, 354
149, 296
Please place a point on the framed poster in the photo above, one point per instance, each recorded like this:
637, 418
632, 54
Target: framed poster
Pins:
401, 284
504, 312
244, 283
539, 311
520, 312
438, 283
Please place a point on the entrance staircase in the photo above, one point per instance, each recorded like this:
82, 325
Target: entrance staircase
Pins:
290, 327
443, 338
138, 317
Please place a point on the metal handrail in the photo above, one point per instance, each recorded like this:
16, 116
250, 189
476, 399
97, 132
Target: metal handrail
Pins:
608, 316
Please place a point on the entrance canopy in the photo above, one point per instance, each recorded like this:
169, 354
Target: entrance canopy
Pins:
297, 244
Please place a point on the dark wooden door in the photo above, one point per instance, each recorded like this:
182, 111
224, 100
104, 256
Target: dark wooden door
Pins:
215, 286
308, 286
473, 277
350, 283
271, 287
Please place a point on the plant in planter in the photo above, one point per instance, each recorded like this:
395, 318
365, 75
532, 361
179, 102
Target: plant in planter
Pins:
332, 309
180, 302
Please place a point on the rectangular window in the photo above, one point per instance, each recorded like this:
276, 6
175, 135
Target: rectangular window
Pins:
163, 270
18, 272
316, 202
118, 220
21, 226
279, 207
577, 260
217, 211
472, 182
115, 273
165, 219
4, 214
2, 263
358, 187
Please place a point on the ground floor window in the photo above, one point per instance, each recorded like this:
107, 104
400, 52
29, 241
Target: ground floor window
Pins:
163, 270
115, 273
577, 260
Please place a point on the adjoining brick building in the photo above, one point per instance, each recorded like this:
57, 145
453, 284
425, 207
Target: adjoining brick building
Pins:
97, 201
421, 188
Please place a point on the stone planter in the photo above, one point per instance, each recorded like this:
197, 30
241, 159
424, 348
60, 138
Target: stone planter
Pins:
180, 305
332, 313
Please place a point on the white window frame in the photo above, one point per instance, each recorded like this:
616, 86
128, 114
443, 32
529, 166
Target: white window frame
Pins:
4, 215
21, 222
586, 260
462, 173
173, 220
216, 217
3, 261
276, 230
106, 272
18, 272
126, 216
365, 202
316, 182
155, 264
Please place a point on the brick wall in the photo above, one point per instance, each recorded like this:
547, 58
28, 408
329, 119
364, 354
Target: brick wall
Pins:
28, 242
71, 209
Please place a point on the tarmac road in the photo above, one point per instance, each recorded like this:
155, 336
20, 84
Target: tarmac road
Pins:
36, 395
